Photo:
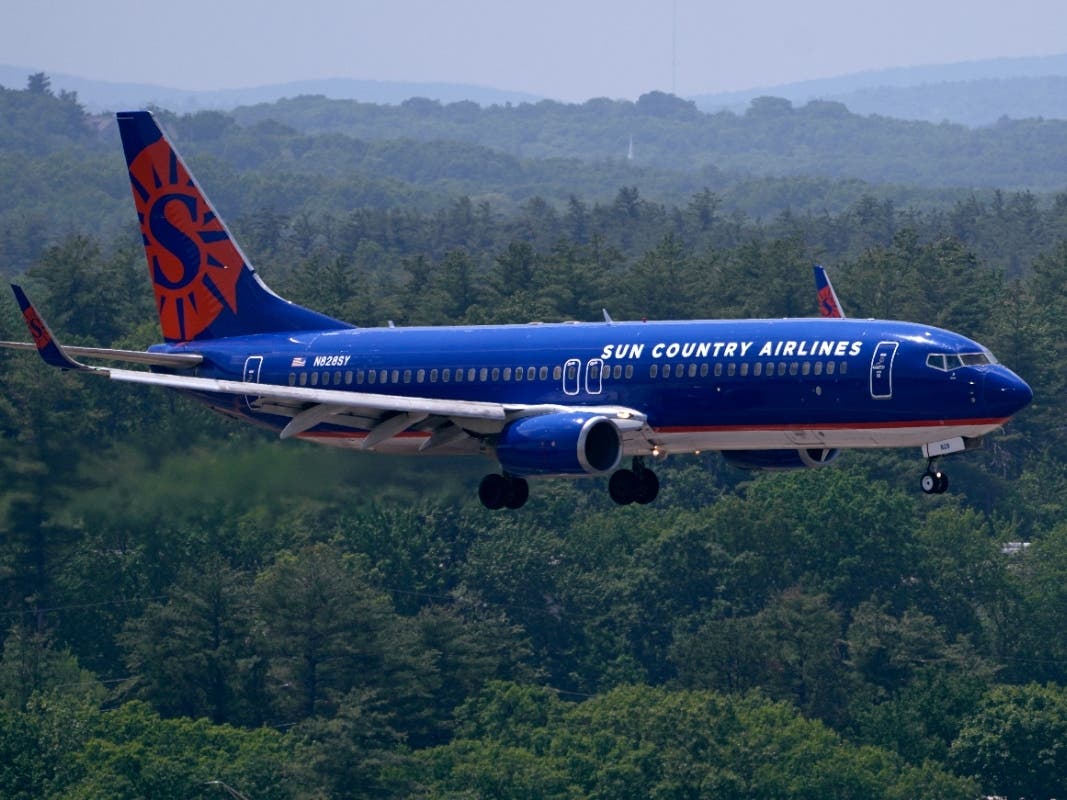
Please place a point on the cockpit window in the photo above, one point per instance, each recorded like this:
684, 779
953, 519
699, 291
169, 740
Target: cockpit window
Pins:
946, 362
976, 359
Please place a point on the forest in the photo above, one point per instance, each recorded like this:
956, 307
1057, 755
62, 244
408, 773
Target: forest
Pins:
190, 605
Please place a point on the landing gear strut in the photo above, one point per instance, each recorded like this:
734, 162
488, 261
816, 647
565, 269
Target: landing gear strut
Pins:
638, 484
500, 491
933, 481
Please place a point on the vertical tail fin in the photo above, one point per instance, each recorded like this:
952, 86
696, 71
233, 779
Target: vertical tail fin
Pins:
829, 305
205, 288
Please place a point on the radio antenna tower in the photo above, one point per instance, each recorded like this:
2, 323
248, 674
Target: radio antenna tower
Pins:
674, 47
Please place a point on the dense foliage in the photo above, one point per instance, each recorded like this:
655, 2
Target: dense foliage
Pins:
188, 603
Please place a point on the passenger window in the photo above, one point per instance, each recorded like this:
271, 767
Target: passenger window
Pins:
557, 372
383, 376
757, 368
679, 370
731, 369
544, 373
704, 370
433, 376
629, 371
531, 373
829, 367
793, 367
653, 371
303, 379
314, 379
420, 376
446, 375
337, 378
844, 368
692, 370
572, 371
507, 373
718, 370
594, 372
348, 377
459, 376
470, 375
781, 368
396, 376
496, 374
817, 369
616, 373
359, 377
292, 379
483, 375
744, 369
518, 373
805, 368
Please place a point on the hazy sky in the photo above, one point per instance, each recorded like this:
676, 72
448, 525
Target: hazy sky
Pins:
566, 49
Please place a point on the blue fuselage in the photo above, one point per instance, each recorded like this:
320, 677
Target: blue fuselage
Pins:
702, 384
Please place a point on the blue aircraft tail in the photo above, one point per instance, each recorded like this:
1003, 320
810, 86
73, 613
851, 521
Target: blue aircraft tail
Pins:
205, 288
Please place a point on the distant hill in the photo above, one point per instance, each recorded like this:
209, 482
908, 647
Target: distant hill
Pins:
98, 96
971, 93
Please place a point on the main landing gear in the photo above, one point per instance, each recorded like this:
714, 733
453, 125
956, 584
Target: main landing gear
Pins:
638, 484
933, 481
503, 491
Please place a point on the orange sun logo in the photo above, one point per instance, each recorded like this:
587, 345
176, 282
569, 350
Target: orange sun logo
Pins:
192, 262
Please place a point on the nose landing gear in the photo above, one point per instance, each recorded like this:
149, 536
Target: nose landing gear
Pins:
933, 481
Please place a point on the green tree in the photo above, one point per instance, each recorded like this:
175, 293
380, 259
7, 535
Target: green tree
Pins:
1013, 742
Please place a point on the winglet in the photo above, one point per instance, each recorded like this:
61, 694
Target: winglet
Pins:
51, 350
829, 305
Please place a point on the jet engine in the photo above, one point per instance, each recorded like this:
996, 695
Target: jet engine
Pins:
563, 443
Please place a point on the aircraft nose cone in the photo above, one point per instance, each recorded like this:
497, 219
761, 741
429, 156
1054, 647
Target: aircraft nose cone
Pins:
1005, 392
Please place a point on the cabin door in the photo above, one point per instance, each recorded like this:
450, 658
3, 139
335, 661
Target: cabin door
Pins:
253, 364
882, 370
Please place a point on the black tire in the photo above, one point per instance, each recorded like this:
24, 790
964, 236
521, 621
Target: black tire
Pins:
518, 493
623, 487
942, 483
647, 487
493, 491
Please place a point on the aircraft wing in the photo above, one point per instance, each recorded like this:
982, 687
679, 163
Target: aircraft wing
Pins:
382, 416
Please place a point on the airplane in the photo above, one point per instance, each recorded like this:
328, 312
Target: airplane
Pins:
566, 399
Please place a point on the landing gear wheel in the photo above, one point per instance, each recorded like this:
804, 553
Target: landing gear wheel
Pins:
934, 482
493, 491
518, 493
500, 491
647, 487
636, 485
623, 487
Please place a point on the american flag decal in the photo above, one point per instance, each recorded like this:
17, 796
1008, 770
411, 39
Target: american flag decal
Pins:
299, 361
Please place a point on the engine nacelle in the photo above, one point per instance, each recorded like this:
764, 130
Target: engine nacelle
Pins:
803, 458
564, 443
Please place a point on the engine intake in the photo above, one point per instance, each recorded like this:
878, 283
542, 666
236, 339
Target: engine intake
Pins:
564, 443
